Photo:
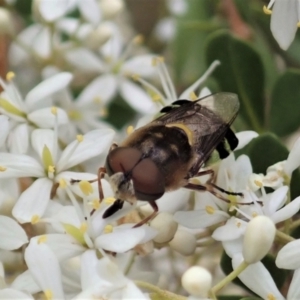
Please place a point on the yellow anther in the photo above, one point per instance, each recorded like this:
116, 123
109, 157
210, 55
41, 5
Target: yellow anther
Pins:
154, 61
54, 110
156, 97
238, 224
139, 39
51, 169
10, 75
109, 200
86, 187
97, 100
62, 183
135, 77
2, 169
35, 219
83, 227
95, 204
42, 239
103, 112
129, 129
48, 294
108, 229
209, 209
74, 115
267, 11
258, 183
79, 138
254, 214
193, 96
271, 297
160, 59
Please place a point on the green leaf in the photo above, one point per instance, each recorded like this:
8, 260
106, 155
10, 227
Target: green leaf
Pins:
229, 297
264, 151
120, 113
188, 45
251, 298
241, 72
284, 113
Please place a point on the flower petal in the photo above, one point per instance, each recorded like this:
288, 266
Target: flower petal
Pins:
286, 212
141, 65
25, 282
102, 88
288, 256
294, 291
137, 97
12, 234
245, 137
19, 139
126, 238
12, 294
33, 201
41, 138
258, 279
63, 245
54, 9
4, 125
199, 218
47, 88
19, 165
293, 160
85, 60
44, 118
90, 11
284, 22
93, 143
44, 267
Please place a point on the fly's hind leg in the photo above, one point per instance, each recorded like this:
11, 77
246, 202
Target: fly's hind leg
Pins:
211, 183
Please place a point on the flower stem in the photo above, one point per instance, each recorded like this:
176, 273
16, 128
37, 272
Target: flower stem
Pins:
161, 293
295, 224
283, 237
229, 278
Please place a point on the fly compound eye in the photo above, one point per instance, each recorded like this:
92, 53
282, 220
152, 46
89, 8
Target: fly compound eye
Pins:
148, 181
122, 159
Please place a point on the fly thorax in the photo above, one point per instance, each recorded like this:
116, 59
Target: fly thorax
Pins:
122, 188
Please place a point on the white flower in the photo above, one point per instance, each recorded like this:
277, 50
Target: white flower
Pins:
85, 111
116, 66
257, 278
103, 278
209, 210
50, 167
280, 173
55, 9
35, 108
284, 19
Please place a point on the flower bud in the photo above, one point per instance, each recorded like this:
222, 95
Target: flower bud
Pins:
166, 227
110, 8
197, 281
258, 239
183, 242
96, 38
6, 24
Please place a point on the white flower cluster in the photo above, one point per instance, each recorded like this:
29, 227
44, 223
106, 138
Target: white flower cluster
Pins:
53, 238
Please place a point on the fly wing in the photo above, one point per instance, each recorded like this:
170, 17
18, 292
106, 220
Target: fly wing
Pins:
208, 119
